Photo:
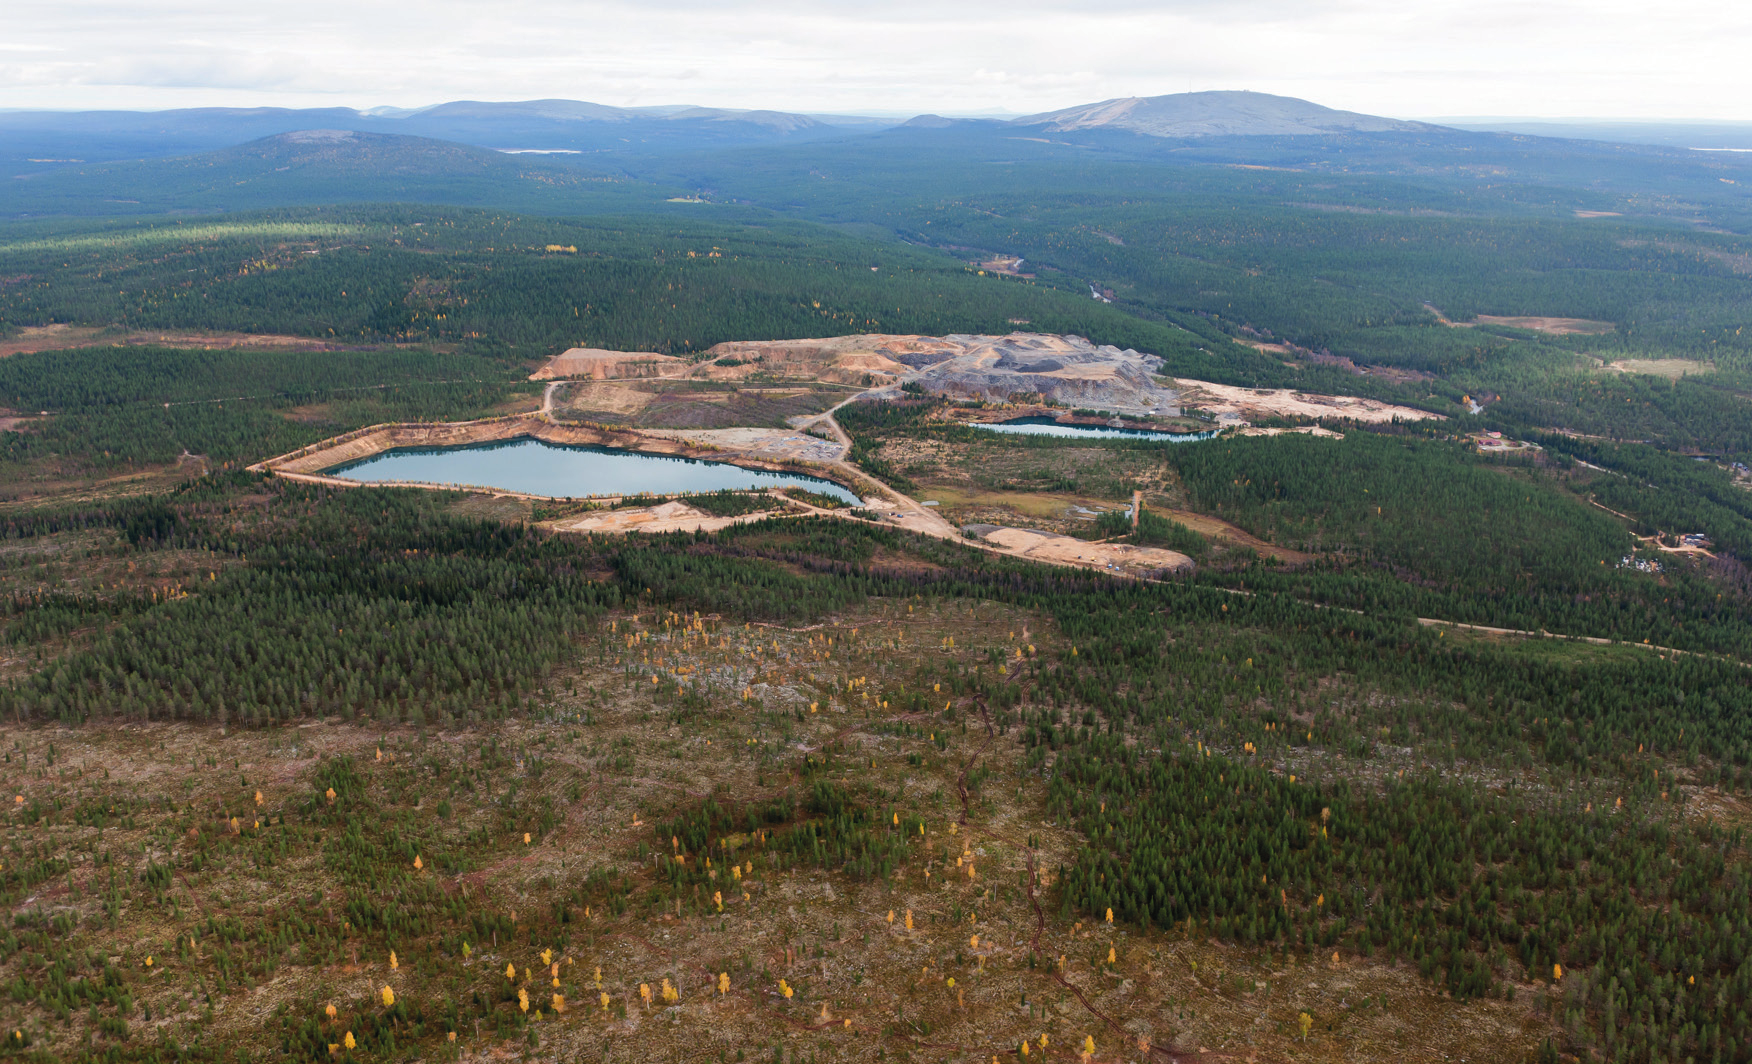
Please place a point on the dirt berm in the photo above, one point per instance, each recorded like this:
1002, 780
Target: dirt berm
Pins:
597, 364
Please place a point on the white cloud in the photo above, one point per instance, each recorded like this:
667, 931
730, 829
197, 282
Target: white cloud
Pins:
1397, 57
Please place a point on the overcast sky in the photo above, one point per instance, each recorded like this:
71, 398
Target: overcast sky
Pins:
1405, 58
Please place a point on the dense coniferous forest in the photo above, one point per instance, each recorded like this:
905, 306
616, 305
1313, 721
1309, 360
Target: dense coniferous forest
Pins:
113, 409
1352, 271
1418, 524
1295, 758
1151, 729
525, 287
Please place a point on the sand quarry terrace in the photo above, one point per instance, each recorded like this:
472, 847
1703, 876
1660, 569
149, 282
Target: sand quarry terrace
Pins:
664, 517
1048, 547
1229, 403
840, 360
1069, 370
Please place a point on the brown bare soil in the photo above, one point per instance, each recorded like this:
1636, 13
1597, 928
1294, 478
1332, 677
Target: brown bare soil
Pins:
1086, 476
856, 360
1223, 532
693, 404
62, 337
1228, 402
1048, 512
864, 987
493, 507
775, 444
1396, 373
526, 403
1064, 550
1008, 265
1065, 369
309, 413
665, 517
1266, 346
1533, 323
52, 483
605, 398
34, 338
1670, 368
1554, 326
597, 364
860, 360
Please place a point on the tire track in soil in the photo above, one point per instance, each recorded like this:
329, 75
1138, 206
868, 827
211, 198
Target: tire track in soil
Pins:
961, 781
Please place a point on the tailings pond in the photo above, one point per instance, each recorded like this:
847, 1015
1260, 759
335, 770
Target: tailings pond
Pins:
561, 471
1041, 426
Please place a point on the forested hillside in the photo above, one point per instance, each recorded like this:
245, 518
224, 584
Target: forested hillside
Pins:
1416, 523
509, 284
1352, 271
438, 313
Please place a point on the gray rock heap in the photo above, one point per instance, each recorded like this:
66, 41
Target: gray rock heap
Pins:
1064, 369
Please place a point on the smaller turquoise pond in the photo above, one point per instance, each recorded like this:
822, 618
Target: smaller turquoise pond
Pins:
561, 470
1042, 426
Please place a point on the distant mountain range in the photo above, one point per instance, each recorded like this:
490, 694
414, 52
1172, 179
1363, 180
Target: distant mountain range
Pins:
566, 156
1705, 136
50, 137
39, 139
315, 166
1216, 114
542, 125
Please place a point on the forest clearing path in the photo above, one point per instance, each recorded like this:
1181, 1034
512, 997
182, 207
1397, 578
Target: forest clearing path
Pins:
1430, 622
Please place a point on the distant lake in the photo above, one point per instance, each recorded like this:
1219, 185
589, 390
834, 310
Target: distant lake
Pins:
1043, 426
561, 470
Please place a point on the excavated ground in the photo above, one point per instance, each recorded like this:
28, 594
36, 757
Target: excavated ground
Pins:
1069, 371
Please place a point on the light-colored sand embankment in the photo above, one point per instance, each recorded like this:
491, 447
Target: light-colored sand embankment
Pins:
1231, 403
1043, 546
594, 363
665, 517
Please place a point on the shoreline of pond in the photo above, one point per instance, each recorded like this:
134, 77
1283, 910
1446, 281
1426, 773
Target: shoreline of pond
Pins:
316, 462
539, 467
1044, 425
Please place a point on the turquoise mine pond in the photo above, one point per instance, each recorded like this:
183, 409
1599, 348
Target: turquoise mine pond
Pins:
1040, 426
560, 470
